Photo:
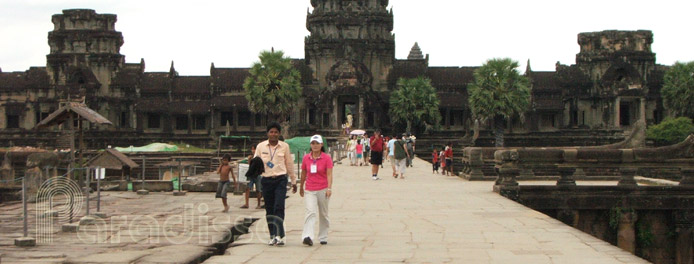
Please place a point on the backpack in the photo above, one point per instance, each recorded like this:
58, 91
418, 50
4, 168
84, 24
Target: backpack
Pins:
399, 150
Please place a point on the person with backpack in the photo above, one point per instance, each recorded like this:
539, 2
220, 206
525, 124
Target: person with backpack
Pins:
401, 155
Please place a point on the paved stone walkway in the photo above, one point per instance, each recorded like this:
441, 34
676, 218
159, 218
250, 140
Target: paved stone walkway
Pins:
424, 218
155, 228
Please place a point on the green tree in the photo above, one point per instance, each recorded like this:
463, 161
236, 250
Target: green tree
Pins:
670, 131
678, 89
415, 102
273, 87
498, 92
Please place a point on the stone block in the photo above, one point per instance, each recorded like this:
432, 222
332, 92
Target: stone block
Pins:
50, 213
25, 242
101, 215
142, 192
154, 186
177, 193
87, 220
70, 228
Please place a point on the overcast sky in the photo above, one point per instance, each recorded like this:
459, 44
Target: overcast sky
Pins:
195, 34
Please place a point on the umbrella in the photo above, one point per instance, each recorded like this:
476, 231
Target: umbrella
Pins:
358, 132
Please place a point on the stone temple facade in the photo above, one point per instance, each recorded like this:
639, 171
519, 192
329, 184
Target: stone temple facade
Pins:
349, 63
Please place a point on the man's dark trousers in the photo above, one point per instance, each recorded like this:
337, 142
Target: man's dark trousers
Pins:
274, 193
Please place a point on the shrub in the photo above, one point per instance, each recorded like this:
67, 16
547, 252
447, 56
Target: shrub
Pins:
670, 131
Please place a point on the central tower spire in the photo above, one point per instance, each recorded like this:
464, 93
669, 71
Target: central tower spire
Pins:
350, 35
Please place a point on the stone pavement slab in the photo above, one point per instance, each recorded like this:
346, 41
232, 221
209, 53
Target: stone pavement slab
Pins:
425, 218
155, 228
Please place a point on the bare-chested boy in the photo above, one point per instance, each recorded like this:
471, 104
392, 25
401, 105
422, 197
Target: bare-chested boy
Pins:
223, 186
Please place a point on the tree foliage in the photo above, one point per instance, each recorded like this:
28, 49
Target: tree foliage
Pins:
678, 89
498, 89
671, 130
274, 85
498, 92
415, 102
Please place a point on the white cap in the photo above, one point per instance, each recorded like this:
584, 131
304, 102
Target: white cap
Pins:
317, 138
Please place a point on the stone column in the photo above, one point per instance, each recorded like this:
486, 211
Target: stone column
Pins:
642, 110
617, 102
526, 173
360, 118
684, 227
190, 122
566, 176
476, 164
568, 216
235, 114
508, 176
687, 177
336, 115
210, 128
448, 118
627, 177
626, 232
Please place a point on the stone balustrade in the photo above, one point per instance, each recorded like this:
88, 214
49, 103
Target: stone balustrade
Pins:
589, 163
574, 163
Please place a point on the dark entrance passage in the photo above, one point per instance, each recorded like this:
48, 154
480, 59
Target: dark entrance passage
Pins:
625, 114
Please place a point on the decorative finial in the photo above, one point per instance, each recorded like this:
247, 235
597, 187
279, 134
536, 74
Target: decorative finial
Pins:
415, 53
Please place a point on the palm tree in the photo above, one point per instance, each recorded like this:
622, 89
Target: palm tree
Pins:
273, 87
498, 92
678, 89
415, 102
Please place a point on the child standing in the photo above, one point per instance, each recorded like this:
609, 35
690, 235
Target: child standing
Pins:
360, 152
253, 179
223, 185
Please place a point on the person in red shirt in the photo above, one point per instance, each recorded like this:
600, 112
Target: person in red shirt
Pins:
449, 158
376, 142
435, 161
317, 175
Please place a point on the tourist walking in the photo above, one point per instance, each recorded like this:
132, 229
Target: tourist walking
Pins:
449, 158
410, 148
352, 150
376, 143
391, 157
255, 168
317, 176
442, 161
367, 148
279, 169
223, 185
435, 161
400, 154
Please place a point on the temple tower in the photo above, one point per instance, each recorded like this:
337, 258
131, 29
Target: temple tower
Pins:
351, 51
84, 53
620, 65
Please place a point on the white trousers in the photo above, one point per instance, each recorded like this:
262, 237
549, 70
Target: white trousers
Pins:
316, 203
400, 166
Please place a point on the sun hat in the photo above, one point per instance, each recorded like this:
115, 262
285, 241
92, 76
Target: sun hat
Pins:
316, 138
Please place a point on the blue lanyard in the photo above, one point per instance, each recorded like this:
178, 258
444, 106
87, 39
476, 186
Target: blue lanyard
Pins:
272, 153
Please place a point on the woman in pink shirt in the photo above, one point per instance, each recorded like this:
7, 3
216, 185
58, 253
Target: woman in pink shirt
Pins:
317, 175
